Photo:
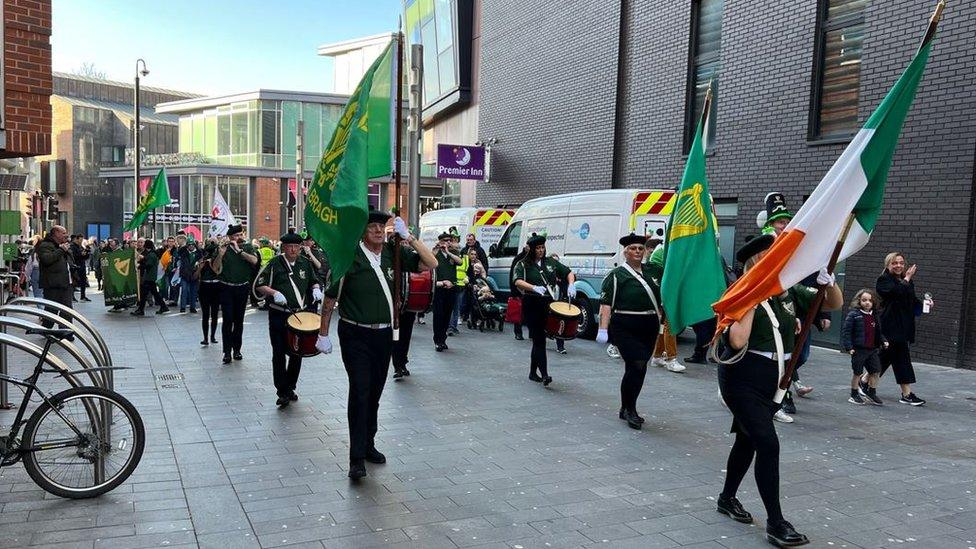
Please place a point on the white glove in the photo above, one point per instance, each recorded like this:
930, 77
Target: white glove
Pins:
541, 290
317, 294
602, 336
323, 344
571, 291
400, 228
824, 278
280, 299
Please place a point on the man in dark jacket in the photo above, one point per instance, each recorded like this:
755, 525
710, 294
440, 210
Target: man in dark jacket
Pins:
148, 271
471, 243
54, 258
79, 263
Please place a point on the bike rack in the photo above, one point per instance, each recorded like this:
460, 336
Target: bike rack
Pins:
97, 351
97, 378
74, 315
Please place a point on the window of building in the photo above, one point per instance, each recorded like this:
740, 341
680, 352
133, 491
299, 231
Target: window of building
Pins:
443, 28
837, 73
86, 152
726, 212
704, 66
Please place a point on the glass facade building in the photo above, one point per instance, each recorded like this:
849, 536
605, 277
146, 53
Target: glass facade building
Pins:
192, 201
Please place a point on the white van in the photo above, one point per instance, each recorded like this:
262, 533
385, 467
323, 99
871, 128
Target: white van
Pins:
583, 230
487, 224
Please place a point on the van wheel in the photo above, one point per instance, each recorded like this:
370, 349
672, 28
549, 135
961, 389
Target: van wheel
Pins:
587, 327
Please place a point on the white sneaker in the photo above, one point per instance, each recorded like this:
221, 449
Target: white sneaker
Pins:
782, 417
674, 366
801, 389
612, 351
659, 362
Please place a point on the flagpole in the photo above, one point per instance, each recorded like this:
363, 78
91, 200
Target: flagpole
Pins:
784, 382
397, 267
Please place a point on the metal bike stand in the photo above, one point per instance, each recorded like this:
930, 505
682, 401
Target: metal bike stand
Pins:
5, 403
24, 324
82, 336
97, 419
74, 315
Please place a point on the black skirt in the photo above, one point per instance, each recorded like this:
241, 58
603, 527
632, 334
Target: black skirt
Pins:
748, 388
535, 311
634, 335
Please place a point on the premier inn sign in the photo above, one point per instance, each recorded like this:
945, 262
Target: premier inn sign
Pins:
460, 162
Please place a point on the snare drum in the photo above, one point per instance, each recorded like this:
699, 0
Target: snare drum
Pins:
563, 320
303, 331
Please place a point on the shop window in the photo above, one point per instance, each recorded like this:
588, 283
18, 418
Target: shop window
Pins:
704, 66
837, 72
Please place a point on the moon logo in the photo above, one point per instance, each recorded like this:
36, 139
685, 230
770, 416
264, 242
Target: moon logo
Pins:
462, 156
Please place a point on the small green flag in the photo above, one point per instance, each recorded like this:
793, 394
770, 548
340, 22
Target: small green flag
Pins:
157, 196
693, 275
360, 149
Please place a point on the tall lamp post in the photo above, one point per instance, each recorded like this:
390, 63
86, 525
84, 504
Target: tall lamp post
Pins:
136, 157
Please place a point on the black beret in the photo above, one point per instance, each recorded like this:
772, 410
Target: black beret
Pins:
535, 240
378, 216
234, 229
633, 239
291, 238
753, 246
444, 236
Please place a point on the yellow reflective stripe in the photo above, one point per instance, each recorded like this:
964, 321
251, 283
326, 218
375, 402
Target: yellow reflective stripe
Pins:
666, 210
650, 201
484, 218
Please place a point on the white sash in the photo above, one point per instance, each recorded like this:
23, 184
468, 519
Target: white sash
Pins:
647, 288
300, 297
375, 263
778, 339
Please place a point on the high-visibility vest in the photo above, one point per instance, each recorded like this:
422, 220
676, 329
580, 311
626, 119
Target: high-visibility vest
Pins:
267, 254
462, 271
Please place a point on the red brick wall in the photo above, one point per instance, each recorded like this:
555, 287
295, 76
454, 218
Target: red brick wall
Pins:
268, 195
27, 77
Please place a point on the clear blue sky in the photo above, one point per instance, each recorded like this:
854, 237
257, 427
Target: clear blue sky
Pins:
214, 46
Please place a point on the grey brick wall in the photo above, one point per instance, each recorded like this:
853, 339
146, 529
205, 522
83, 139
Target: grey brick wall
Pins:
549, 83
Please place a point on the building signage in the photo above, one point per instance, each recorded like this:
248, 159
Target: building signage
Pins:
460, 162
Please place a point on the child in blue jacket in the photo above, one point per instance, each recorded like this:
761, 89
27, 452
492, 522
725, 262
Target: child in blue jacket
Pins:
861, 337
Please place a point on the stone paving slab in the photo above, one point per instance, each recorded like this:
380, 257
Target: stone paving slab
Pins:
481, 457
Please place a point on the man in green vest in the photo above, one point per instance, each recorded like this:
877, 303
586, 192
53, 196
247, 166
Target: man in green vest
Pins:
462, 283
234, 266
365, 297
289, 283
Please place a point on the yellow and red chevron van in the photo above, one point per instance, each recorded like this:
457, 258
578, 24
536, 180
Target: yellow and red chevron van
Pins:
487, 224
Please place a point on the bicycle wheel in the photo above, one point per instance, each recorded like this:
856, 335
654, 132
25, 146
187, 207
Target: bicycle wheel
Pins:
72, 465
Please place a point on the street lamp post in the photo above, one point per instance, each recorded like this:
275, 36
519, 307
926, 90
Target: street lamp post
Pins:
136, 157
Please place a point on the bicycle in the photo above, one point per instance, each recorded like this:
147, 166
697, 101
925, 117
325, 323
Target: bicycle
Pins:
79, 443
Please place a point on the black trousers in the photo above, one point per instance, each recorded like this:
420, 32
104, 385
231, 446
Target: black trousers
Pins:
748, 387
58, 295
366, 357
401, 348
444, 299
534, 313
897, 356
704, 331
285, 368
209, 295
634, 336
147, 288
233, 301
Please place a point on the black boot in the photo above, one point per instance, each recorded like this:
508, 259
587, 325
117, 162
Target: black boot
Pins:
699, 356
631, 418
782, 534
357, 469
734, 509
138, 312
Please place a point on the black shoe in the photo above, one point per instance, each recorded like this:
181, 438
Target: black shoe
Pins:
282, 402
182, 309
782, 534
138, 312
162, 310
733, 509
406, 372
440, 347
862, 387
535, 378
911, 399
518, 337
85, 299
238, 356
547, 380
399, 373
697, 358
855, 398
623, 415
357, 469
375, 456
213, 339
872, 397
292, 396
193, 310
205, 342
226, 359
789, 406
631, 419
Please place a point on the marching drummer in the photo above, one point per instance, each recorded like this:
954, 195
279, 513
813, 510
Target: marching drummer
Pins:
629, 306
538, 276
289, 282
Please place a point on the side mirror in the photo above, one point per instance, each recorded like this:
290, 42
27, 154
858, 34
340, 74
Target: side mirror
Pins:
492, 249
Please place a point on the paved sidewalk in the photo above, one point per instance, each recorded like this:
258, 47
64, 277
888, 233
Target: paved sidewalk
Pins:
480, 456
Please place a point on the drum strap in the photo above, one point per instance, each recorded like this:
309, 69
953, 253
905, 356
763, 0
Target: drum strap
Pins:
291, 274
647, 288
374, 262
778, 339
542, 274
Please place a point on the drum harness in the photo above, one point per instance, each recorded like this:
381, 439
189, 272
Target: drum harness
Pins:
298, 295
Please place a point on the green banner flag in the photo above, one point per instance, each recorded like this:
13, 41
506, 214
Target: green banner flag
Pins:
120, 277
360, 149
693, 274
157, 196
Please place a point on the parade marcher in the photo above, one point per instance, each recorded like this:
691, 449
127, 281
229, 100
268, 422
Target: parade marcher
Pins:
537, 276
629, 308
234, 266
445, 279
365, 296
899, 308
290, 283
209, 292
401, 347
861, 337
762, 340
148, 269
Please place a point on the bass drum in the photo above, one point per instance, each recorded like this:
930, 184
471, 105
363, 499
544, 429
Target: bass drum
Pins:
420, 292
563, 320
303, 331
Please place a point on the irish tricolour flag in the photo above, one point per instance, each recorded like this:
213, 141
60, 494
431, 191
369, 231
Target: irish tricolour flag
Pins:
855, 184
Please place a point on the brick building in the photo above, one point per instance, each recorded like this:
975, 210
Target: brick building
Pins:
604, 95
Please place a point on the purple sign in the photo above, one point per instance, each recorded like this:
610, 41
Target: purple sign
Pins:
460, 162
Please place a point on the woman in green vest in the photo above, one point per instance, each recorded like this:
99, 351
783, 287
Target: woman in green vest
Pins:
629, 306
538, 276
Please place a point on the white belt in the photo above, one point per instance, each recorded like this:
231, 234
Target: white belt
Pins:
371, 326
640, 313
770, 356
